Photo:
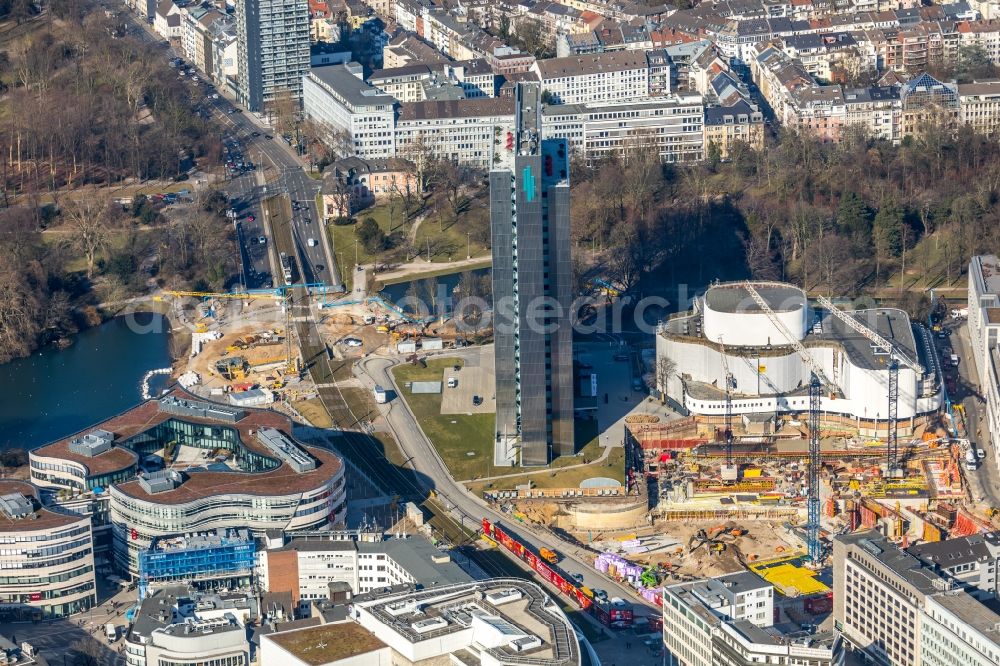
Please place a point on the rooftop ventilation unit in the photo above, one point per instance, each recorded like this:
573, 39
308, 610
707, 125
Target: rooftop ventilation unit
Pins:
200, 409
159, 482
16, 506
283, 447
429, 625
94, 443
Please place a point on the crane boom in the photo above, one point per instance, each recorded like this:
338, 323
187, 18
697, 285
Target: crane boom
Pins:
729, 404
871, 335
813, 525
792, 340
212, 294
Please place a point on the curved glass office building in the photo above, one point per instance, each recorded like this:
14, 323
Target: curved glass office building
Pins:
180, 465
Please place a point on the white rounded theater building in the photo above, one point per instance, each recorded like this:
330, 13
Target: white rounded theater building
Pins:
727, 327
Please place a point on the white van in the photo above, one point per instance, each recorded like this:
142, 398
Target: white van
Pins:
111, 631
312, 242
971, 460
452, 382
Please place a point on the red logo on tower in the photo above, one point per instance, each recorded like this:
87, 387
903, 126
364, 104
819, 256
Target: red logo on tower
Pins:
135, 535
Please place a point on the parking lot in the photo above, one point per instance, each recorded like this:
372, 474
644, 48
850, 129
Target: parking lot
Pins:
475, 378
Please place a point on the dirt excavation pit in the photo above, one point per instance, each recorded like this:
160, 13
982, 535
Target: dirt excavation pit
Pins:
676, 545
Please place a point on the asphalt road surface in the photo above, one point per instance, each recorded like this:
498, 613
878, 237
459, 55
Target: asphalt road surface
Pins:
285, 173
457, 499
968, 394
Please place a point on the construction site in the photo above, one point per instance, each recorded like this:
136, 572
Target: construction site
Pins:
245, 346
799, 423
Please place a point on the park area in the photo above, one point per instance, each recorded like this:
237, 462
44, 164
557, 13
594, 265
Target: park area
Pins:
465, 440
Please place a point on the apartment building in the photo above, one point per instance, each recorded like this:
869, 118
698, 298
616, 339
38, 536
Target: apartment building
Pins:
887, 112
984, 333
408, 49
617, 76
167, 20
726, 126
47, 561
416, 82
672, 126
729, 621
352, 184
972, 562
979, 106
272, 50
927, 102
336, 97
306, 565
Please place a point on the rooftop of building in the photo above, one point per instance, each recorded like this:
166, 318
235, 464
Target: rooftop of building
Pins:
898, 562
18, 657
327, 643
192, 627
414, 554
411, 70
21, 511
509, 618
991, 87
201, 482
592, 63
971, 613
988, 266
955, 552
733, 297
355, 91
891, 324
441, 91
722, 115
459, 108
217, 539
278, 482
428, 565
171, 604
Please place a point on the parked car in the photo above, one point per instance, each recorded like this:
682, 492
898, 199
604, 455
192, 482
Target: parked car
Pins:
353, 342
262, 240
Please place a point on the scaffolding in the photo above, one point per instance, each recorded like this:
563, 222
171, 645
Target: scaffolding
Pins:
197, 559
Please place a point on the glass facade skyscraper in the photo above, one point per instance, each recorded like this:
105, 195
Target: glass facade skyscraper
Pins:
532, 287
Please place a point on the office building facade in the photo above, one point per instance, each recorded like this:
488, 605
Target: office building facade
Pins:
532, 291
47, 558
272, 49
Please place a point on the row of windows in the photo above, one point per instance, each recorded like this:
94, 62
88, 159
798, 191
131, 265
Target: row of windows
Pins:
45, 580
51, 536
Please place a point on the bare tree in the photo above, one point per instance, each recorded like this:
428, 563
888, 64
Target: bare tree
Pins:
89, 220
666, 367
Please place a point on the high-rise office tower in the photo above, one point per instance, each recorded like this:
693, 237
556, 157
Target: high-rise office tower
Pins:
532, 288
272, 48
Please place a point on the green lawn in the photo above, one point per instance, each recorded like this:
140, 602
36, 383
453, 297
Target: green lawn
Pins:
613, 468
464, 441
482, 262
453, 240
